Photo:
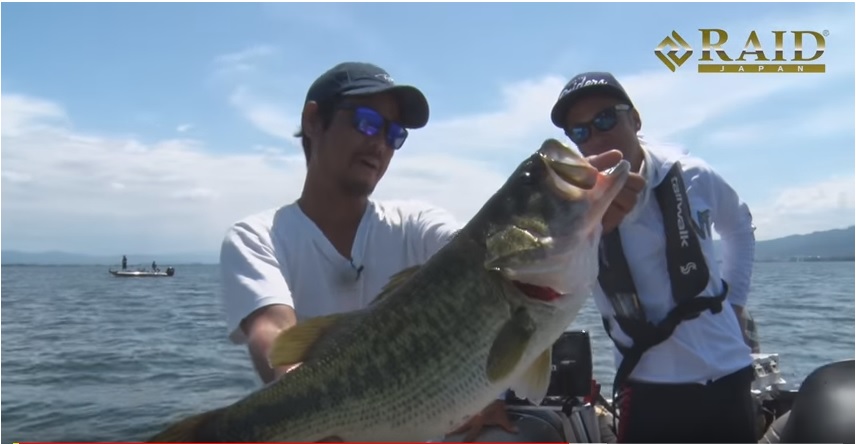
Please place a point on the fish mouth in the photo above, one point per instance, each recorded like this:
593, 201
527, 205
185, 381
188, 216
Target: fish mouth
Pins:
537, 292
571, 176
563, 253
554, 252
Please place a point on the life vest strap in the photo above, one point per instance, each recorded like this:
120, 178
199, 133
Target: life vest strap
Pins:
646, 335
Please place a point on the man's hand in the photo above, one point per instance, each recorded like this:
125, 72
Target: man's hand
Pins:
493, 414
626, 198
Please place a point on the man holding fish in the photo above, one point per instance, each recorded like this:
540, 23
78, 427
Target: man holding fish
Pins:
333, 249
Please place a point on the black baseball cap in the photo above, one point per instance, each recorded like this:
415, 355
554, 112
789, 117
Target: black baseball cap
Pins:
357, 78
582, 85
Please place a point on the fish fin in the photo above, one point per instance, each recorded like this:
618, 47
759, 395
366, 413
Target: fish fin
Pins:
292, 345
509, 345
535, 382
395, 281
189, 429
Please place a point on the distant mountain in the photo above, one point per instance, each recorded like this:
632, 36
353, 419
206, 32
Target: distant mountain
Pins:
13, 257
835, 244
829, 244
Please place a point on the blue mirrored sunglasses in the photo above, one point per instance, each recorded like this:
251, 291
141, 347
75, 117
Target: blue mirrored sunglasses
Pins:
603, 121
370, 122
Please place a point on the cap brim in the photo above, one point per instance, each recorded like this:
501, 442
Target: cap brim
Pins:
412, 104
560, 109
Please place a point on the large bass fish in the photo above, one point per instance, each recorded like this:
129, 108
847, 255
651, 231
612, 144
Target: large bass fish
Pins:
444, 339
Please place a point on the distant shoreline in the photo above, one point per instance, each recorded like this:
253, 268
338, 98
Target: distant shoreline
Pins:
809, 259
113, 266
835, 245
195, 264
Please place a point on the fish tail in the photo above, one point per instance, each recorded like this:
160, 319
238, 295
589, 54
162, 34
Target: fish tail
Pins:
190, 429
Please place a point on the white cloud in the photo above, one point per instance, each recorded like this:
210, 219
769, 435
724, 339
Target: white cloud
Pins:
829, 121
670, 103
807, 207
246, 55
196, 194
243, 61
183, 128
513, 128
13, 176
269, 118
174, 195
458, 184
19, 111
338, 19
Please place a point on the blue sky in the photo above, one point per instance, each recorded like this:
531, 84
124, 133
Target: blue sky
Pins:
151, 127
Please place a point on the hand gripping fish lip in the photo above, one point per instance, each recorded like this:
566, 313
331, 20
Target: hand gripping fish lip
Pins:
571, 175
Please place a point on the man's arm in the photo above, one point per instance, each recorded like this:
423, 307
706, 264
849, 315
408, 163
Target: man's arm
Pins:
435, 228
256, 299
733, 221
261, 329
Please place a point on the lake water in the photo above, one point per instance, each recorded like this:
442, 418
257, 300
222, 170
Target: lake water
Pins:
90, 357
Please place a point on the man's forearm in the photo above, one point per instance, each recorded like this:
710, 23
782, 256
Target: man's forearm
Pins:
743, 321
262, 328
738, 260
738, 311
259, 347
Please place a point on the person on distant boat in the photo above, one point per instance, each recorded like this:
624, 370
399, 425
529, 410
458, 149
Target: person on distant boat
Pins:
334, 248
154, 266
124, 262
673, 312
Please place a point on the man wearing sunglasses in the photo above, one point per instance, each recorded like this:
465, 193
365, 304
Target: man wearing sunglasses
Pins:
673, 311
334, 248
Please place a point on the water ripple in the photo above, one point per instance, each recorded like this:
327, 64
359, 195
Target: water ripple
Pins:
89, 357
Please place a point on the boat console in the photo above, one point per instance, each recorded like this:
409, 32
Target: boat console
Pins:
568, 412
823, 409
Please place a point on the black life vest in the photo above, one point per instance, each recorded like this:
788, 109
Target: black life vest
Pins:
688, 273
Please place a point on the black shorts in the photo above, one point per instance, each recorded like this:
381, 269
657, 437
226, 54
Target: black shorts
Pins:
723, 411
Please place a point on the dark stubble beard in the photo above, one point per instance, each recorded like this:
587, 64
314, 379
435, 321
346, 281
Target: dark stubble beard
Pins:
356, 188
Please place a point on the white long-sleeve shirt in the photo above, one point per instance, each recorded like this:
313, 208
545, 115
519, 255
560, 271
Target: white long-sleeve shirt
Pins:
710, 346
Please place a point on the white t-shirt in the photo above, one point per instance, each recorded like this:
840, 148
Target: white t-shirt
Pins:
710, 346
281, 257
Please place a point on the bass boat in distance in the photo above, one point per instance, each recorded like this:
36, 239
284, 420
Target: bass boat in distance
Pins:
170, 271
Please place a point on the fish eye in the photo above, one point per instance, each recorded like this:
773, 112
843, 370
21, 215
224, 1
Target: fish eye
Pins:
528, 178
531, 175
